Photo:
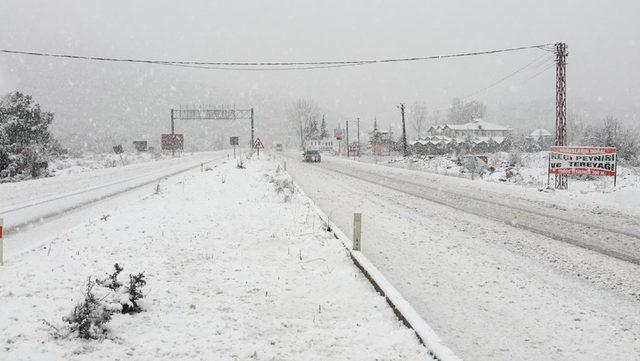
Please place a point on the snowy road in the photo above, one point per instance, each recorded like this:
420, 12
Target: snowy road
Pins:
491, 290
615, 236
25, 205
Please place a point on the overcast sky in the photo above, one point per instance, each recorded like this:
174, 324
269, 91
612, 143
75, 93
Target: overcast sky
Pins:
603, 39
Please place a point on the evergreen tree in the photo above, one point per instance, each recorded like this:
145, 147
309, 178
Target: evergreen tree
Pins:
323, 129
25, 140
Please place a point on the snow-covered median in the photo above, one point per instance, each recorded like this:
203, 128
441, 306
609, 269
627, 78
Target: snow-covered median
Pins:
237, 267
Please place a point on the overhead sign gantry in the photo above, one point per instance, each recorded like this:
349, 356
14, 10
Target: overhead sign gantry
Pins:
209, 112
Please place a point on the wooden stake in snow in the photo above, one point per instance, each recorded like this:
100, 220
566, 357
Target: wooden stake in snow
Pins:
285, 165
357, 230
1, 243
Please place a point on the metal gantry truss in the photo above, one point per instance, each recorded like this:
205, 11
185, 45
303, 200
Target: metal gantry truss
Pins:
209, 112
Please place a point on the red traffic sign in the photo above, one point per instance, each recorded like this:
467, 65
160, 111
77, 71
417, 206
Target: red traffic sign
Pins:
258, 144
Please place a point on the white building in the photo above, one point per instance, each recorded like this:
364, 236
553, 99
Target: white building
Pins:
328, 145
478, 134
477, 129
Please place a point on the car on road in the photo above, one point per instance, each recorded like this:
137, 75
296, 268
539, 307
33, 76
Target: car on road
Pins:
311, 156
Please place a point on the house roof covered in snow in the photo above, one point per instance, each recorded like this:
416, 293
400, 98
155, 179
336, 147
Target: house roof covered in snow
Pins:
476, 124
540, 133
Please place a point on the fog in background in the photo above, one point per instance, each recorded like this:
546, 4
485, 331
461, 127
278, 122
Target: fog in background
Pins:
98, 104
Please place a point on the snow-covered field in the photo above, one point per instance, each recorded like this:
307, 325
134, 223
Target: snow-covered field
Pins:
529, 180
530, 171
236, 271
91, 161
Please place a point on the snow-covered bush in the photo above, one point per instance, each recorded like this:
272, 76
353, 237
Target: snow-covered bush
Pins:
111, 281
134, 294
102, 299
282, 183
124, 297
89, 318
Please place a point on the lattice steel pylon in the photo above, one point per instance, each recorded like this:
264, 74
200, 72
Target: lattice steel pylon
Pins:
561, 106
210, 113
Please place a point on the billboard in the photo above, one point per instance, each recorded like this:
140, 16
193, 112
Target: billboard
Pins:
140, 145
172, 141
597, 161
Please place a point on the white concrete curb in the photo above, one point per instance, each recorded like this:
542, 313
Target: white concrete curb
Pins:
400, 306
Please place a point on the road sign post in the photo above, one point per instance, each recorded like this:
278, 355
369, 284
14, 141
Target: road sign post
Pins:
234, 141
257, 145
1, 243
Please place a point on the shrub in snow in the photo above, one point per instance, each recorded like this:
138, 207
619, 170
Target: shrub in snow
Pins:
111, 281
282, 184
125, 297
133, 291
89, 318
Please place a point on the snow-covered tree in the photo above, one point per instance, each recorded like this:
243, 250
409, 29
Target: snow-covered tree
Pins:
323, 129
301, 114
25, 140
611, 133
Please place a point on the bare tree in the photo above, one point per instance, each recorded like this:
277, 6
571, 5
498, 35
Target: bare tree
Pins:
613, 134
435, 117
418, 115
302, 114
463, 112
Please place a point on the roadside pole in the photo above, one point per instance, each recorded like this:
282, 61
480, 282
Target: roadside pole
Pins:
348, 151
615, 174
357, 231
1, 243
358, 137
549, 171
404, 132
173, 136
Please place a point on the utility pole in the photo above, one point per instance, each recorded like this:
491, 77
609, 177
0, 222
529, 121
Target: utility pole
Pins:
348, 152
561, 106
358, 119
301, 136
404, 132
252, 140
173, 137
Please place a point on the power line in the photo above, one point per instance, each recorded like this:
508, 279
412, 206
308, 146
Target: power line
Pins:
514, 73
289, 65
546, 68
541, 61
